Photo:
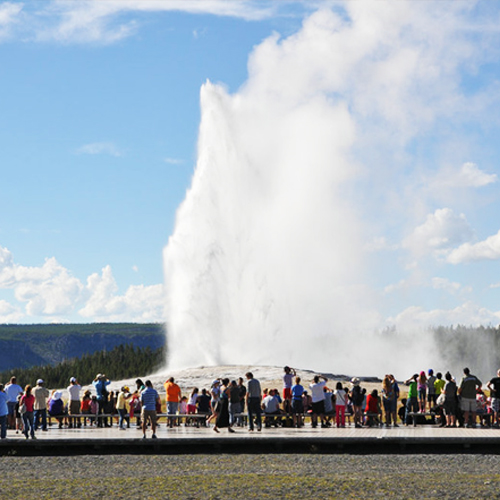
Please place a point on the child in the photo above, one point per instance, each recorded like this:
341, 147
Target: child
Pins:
183, 409
85, 407
94, 409
340, 404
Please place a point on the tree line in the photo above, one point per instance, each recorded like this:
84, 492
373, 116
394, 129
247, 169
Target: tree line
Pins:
123, 361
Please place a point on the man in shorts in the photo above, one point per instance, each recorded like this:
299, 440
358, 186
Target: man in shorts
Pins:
149, 398
467, 392
318, 400
494, 386
12, 389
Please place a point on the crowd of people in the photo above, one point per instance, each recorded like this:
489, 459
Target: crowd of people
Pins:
430, 398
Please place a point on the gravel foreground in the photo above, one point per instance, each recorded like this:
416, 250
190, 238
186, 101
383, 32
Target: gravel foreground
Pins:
224, 477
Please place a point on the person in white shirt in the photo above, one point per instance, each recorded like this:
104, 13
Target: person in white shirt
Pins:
74, 402
318, 400
12, 389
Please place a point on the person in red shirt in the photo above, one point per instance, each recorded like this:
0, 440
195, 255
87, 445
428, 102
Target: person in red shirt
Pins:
372, 408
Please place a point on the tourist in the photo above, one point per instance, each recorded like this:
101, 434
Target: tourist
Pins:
234, 403
439, 384
135, 407
431, 389
329, 406
85, 406
271, 407
253, 401
243, 394
41, 394
173, 397
223, 408
4, 412
297, 405
121, 406
191, 406
412, 403
389, 400
214, 400
110, 409
100, 384
94, 409
340, 405
467, 392
149, 398
306, 402
183, 404
422, 391
203, 405
74, 402
450, 400
287, 387
396, 395
494, 387
357, 395
56, 407
26, 408
13, 390
318, 400
372, 409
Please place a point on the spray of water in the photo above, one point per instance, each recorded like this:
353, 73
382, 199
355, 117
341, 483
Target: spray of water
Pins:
296, 171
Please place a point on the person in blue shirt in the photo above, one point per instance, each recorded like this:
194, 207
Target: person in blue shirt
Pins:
100, 383
4, 412
149, 398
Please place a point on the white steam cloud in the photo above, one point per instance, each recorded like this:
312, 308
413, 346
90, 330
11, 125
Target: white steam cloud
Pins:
297, 172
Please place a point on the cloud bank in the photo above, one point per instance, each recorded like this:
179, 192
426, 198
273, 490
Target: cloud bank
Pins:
50, 293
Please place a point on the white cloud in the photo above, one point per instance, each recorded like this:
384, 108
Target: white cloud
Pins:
140, 303
469, 175
488, 249
451, 287
99, 148
52, 293
468, 313
173, 161
103, 21
9, 17
442, 230
9, 313
437, 283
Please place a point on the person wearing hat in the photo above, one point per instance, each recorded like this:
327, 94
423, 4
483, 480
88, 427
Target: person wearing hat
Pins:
56, 407
74, 402
357, 395
41, 393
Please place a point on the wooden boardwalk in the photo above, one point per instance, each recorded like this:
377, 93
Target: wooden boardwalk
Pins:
179, 440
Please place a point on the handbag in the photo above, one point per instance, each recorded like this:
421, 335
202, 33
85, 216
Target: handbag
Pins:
22, 409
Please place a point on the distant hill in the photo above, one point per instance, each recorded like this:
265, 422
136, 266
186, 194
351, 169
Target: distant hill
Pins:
23, 346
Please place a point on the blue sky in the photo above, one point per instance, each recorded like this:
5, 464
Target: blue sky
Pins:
99, 119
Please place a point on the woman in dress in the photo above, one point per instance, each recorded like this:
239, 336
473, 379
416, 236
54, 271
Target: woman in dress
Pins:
223, 409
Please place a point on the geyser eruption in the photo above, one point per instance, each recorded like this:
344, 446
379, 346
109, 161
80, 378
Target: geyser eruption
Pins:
269, 262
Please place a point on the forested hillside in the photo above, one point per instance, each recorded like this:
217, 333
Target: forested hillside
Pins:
124, 361
23, 346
